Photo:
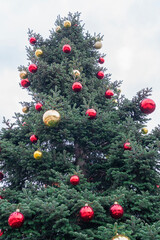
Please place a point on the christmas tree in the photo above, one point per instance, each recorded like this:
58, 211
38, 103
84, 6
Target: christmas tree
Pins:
78, 162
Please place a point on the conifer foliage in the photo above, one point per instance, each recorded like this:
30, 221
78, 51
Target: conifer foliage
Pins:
63, 162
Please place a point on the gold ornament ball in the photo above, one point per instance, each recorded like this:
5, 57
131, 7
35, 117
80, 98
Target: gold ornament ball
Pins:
25, 109
67, 24
98, 45
37, 154
58, 29
76, 73
115, 101
144, 130
51, 118
23, 74
38, 53
120, 237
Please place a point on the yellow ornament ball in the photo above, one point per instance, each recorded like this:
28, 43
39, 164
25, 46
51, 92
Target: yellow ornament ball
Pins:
144, 130
98, 45
51, 118
37, 154
23, 74
67, 24
76, 73
25, 109
38, 53
120, 237
115, 101
58, 29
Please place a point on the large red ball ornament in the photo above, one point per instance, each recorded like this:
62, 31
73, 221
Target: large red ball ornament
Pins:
1, 232
101, 60
16, 219
74, 180
86, 213
1, 175
38, 107
91, 113
116, 211
32, 68
109, 94
66, 48
32, 40
25, 83
127, 146
147, 106
77, 86
100, 75
33, 138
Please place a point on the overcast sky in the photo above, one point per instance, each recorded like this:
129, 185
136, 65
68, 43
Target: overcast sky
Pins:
131, 30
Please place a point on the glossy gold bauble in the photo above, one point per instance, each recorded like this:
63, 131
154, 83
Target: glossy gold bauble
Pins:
98, 45
38, 53
120, 237
76, 73
67, 24
58, 29
23, 74
37, 154
25, 109
115, 101
144, 130
51, 118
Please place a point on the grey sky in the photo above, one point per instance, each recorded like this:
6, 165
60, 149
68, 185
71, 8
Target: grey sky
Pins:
131, 30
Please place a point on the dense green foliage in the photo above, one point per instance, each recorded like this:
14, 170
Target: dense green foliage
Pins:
93, 149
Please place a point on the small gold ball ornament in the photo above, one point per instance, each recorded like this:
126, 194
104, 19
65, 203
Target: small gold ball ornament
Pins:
76, 73
58, 29
25, 109
120, 237
67, 24
23, 74
37, 155
98, 45
38, 53
51, 118
144, 130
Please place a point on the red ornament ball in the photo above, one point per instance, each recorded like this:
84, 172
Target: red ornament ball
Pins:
91, 113
109, 94
157, 186
32, 68
33, 138
147, 106
38, 107
32, 40
101, 60
77, 86
74, 180
86, 213
116, 211
127, 146
66, 48
100, 75
25, 83
1, 197
16, 220
1, 175
1, 232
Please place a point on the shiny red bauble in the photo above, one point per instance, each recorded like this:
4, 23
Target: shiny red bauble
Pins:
1, 197
32, 40
33, 138
74, 180
116, 211
38, 107
66, 48
1, 175
147, 106
86, 213
91, 113
25, 83
1, 232
127, 146
109, 94
101, 60
32, 68
77, 87
16, 220
100, 75
157, 186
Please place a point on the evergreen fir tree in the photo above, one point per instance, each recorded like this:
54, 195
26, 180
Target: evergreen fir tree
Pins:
92, 149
